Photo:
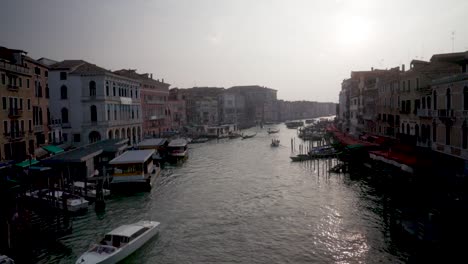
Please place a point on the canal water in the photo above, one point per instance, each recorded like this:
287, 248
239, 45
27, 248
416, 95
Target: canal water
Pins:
242, 201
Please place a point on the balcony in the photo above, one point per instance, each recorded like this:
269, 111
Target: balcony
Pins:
14, 135
38, 128
445, 115
12, 88
14, 68
424, 113
15, 113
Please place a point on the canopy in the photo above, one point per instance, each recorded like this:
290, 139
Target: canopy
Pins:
27, 163
53, 149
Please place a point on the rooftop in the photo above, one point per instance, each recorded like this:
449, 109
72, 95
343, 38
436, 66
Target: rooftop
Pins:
133, 156
150, 142
180, 142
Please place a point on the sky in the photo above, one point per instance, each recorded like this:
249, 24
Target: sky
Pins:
302, 48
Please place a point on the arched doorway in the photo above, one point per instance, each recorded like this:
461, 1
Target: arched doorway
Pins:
134, 136
94, 136
117, 134
110, 134
122, 133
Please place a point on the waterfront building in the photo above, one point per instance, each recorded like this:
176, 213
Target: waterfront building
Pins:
17, 139
202, 105
177, 110
93, 103
154, 102
260, 103
232, 108
387, 117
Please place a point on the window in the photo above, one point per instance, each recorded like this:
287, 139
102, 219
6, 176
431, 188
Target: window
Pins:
27, 83
465, 98
20, 82
113, 88
76, 137
428, 102
63, 92
435, 99
37, 70
29, 125
63, 75
5, 127
21, 103
417, 83
93, 111
3, 79
46, 73
448, 99
4, 103
64, 115
92, 88
29, 104
22, 126
464, 135
409, 85
107, 90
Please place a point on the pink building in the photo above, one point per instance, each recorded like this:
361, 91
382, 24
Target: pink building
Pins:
154, 102
177, 110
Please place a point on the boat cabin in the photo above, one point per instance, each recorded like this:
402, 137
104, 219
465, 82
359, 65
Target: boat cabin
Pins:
158, 144
123, 235
133, 166
178, 148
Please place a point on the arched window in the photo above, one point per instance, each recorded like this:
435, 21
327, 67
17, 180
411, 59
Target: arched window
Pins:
416, 131
465, 98
408, 130
423, 100
92, 88
434, 95
402, 128
448, 99
63, 92
94, 136
464, 134
64, 115
93, 111
429, 102
434, 132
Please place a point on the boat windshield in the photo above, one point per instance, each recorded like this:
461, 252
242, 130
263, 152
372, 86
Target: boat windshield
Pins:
100, 249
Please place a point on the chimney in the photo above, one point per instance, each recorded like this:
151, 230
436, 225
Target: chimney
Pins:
151, 76
372, 68
403, 68
162, 80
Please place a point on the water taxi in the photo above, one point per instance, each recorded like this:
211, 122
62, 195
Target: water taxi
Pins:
275, 142
120, 243
134, 167
177, 150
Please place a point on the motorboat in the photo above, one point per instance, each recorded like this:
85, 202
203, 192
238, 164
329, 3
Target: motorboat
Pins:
275, 142
88, 190
120, 243
272, 131
234, 135
6, 260
199, 140
249, 136
59, 199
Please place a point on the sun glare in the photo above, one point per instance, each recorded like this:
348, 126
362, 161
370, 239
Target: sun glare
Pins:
353, 31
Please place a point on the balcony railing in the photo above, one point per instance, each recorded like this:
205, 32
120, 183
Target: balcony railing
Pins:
38, 128
14, 68
424, 113
14, 135
12, 88
15, 112
445, 114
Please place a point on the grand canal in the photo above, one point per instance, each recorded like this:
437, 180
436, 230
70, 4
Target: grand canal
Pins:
242, 201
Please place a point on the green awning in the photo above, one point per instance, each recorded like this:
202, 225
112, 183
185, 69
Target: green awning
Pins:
27, 163
53, 149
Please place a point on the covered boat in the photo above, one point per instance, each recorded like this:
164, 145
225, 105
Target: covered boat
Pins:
178, 150
120, 243
59, 199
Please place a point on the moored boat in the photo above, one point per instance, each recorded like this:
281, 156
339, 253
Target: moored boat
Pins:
294, 124
177, 150
59, 199
275, 142
234, 135
120, 243
199, 140
249, 136
272, 131
88, 190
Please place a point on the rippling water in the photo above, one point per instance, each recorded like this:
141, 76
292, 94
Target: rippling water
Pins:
241, 201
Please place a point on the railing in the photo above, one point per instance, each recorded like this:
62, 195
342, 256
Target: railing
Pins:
39, 128
12, 88
424, 113
444, 113
14, 67
14, 135
15, 113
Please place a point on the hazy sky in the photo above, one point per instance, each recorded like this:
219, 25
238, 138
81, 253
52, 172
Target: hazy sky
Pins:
304, 49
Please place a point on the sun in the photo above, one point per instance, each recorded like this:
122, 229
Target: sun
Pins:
353, 31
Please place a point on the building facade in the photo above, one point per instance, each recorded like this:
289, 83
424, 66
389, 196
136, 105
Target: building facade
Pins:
177, 111
93, 103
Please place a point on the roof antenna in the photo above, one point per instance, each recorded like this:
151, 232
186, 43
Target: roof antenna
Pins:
453, 40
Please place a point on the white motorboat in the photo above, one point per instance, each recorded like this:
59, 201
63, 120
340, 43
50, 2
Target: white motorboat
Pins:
6, 260
59, 199
120, 243
88, 190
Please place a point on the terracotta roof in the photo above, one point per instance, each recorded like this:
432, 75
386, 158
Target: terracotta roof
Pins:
89, 69
67, 64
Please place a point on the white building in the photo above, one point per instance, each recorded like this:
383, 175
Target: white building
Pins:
93, 103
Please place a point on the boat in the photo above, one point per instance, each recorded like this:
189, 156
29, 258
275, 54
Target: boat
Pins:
6, 260
199, 140
177, 150
160, 147
249, 136
233, 135
59, 199
271, 131
88, 190
134, 168
120, 243
309, 121
294, 124
301, 157
275, 142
